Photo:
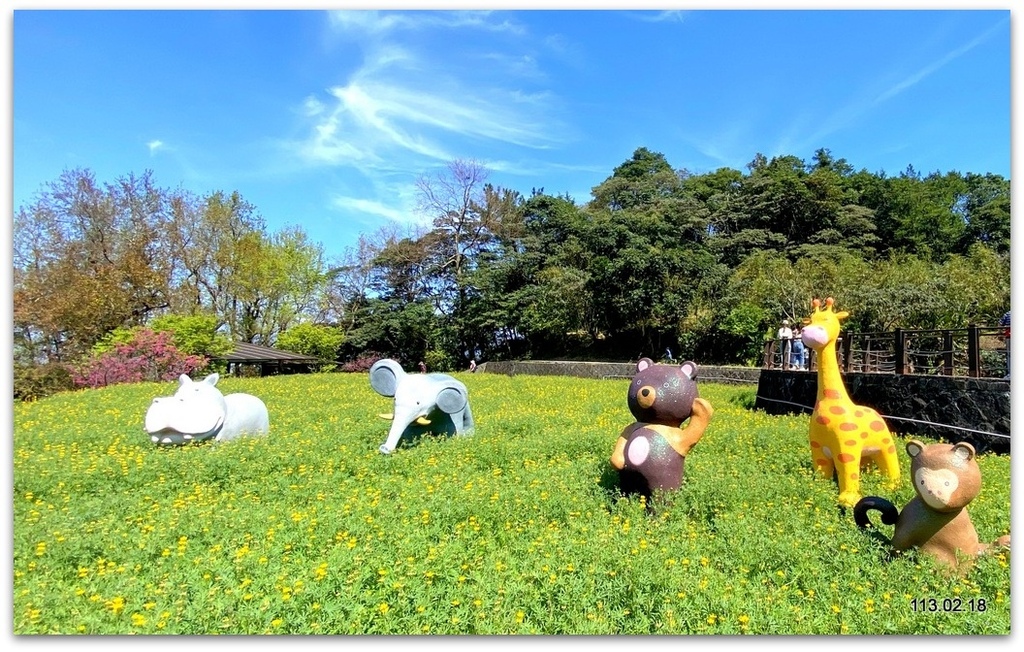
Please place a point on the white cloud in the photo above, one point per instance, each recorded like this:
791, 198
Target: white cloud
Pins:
396, 213
867, 102
154, 145
936, 65
670, 15
380, 22
416, 101
402, 104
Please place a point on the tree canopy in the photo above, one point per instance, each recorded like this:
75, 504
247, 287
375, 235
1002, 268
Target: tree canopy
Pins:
704, 263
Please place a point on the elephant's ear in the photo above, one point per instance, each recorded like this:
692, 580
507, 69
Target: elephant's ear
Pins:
452, 398
385, 375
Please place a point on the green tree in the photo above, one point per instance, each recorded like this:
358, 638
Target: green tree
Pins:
195, 334
317, 340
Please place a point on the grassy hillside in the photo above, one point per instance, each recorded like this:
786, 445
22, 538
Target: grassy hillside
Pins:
518, 529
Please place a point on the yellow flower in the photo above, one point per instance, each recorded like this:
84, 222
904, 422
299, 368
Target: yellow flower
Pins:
383, 607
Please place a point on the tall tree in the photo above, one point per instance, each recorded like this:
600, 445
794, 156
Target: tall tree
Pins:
88, 259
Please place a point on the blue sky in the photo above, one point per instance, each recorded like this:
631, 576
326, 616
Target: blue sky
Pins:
326, 119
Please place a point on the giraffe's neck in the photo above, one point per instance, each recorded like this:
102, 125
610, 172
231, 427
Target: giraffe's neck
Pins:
829, 376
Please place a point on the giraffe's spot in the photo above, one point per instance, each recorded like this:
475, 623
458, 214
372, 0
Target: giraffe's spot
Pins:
821, 462
885, 440
831, 393
848, 426
822, 419
815, 444
864, 435
877, 426
850, 442
855, 476
891, 450
837, 409
858, 413
845, 458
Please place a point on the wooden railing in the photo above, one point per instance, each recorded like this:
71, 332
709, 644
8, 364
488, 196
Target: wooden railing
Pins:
975, 351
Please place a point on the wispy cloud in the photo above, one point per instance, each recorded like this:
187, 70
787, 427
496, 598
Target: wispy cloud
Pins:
402, 214
410, 105
154, 145
860, 106
936, 65
381, 22
670, 15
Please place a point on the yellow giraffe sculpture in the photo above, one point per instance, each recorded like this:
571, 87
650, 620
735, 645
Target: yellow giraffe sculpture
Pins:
844, 436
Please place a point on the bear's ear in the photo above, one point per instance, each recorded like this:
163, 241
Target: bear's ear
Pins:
643, 363
962, 453
914, 448
690, 369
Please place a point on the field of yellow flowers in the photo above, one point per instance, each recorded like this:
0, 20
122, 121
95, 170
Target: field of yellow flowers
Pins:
518, 529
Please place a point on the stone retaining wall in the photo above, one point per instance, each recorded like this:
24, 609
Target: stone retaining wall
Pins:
624, 370
978, 408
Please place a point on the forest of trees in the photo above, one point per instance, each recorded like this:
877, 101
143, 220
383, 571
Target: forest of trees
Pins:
656, 257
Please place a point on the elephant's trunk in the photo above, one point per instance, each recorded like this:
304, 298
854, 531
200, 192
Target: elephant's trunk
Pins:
402, 420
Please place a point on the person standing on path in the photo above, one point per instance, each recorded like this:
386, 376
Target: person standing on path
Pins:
785, 336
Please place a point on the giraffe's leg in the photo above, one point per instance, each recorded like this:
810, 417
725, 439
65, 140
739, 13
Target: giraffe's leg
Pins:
890, 465
826, 467
848, 474
821, 457
886, 458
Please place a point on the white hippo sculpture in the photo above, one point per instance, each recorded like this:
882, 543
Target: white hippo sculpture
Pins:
199, 411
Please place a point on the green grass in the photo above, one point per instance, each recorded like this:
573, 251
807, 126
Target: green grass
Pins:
517, 529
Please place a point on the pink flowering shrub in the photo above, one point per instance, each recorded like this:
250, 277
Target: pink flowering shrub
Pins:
147, 356
362, 363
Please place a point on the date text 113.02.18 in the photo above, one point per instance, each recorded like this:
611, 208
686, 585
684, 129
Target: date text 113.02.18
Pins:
948, 604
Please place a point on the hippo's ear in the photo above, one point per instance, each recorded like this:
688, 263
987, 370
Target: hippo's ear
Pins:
643, 363
385, 375
690, 369
212, 379
451, 398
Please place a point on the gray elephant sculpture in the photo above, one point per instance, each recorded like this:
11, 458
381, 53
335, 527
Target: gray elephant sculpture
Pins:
436, 403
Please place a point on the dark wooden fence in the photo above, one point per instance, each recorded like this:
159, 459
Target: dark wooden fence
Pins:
975, 351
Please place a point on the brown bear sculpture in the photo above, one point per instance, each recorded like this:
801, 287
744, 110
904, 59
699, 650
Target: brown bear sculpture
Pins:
946, 478
650, 454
